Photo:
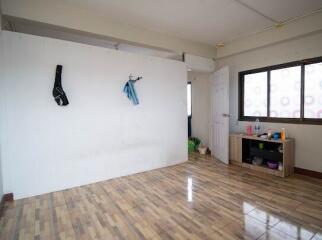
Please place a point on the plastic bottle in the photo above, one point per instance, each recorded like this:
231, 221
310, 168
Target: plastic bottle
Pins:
269, 134
257, 127
283, 134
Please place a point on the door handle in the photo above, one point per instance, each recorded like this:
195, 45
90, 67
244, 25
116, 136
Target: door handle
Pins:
226, 115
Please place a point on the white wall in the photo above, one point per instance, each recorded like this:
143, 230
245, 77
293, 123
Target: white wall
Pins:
1, 70
1, 181
308, 137
100, 135
200, 105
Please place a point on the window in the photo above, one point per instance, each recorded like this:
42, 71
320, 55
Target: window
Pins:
189, 110
255, 94
285, 92
290, 92
313, 91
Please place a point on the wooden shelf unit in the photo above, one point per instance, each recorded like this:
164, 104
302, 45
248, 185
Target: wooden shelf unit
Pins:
237, 142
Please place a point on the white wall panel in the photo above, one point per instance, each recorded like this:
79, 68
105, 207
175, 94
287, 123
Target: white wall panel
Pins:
100, 135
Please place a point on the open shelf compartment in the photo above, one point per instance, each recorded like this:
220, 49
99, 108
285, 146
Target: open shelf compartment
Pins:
269, 152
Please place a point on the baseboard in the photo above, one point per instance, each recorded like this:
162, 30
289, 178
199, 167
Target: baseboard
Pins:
5, 198
307, 172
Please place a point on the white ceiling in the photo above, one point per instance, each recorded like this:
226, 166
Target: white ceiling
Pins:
206, 21
283, 10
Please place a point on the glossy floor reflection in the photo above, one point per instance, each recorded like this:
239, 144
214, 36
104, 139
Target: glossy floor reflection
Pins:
189, 192
200, 199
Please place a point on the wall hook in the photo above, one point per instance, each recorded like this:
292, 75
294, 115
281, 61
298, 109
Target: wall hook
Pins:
131, 77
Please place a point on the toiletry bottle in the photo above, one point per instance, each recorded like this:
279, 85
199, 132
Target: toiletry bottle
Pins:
283, 134
249, 130
257, 127
269, 134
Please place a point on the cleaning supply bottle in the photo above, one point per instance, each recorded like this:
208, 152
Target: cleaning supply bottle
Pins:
257, 127
283, 134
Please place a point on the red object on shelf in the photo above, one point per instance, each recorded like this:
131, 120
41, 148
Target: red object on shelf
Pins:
249, 130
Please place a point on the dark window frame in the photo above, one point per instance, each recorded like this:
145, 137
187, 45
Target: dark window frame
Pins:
301, 120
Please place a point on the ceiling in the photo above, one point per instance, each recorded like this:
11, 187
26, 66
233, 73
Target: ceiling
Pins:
205, 21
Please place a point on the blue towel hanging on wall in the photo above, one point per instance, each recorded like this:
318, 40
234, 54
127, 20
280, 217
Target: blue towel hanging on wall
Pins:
130, 91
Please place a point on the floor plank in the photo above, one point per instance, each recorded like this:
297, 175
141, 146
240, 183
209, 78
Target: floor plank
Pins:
200, 199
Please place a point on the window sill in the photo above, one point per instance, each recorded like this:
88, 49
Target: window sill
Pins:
307, 121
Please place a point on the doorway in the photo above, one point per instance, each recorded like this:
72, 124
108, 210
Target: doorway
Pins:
220, 115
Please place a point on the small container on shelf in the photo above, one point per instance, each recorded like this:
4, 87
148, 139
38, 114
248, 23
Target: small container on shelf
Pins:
272, 164
269, 134
258, 161
280, 166
283, 134
280, 148
276, 136
257, 127
249, 130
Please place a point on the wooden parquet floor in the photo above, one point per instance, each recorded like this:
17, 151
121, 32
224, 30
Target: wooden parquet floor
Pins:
199, 199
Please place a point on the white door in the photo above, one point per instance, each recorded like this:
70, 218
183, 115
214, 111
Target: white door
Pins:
220, 115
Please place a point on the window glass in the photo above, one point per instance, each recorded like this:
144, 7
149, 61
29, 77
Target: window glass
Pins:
255, 94
285, 93
313, 91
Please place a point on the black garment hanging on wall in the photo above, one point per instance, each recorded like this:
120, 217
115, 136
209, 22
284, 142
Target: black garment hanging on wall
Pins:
58, 92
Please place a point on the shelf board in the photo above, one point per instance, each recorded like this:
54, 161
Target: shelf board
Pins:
261, 139
264, 169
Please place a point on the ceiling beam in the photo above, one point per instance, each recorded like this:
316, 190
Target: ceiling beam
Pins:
299, 27
69, 16
256, 11
46, 30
